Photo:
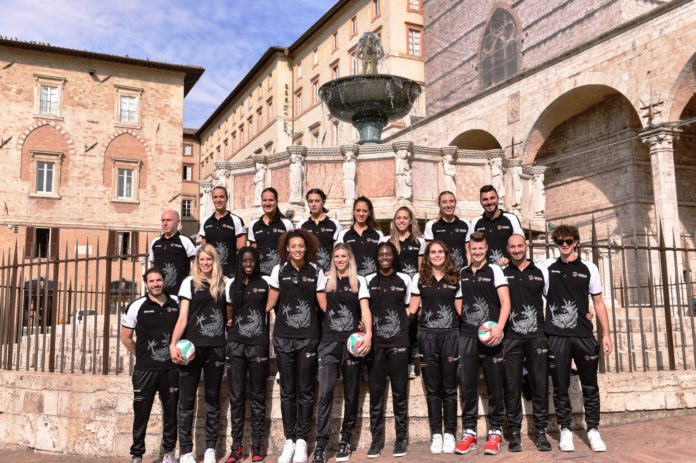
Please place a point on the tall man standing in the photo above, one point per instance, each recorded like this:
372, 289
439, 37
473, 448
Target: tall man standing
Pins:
525, 343
172, 252
225, 231
152, 317
571, 334
496, 224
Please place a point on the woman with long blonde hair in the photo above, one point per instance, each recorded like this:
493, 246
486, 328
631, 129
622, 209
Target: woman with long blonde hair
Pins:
202, 311
347, 296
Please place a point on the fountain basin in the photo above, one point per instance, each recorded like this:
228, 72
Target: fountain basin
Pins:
370, 101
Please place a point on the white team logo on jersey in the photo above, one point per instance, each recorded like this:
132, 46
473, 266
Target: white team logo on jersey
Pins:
214, 326
341, 319
299, 317
251, 325
496, 255
565, 317
367, 266
170, 275
223, 252
323, 258
458, 257
441, 318
409, 270
389, 327
524, 322
477, 313
161, 353
269, 259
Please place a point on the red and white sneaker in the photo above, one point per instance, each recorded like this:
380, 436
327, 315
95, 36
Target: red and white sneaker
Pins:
467, 443
493, 444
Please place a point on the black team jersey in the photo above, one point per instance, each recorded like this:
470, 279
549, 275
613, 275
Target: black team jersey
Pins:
438, 313
222, 233
480, 301
389, 297
249, 322
153, 325
297, 312
172, 256
455, 234
497, 232
527, 291
205, 325
326, 231
410, 250
567, 303
266, 239
343, 310
364, 247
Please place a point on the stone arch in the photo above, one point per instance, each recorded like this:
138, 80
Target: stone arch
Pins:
126, 145
684, 170
45, 137
475, 139
500, 46
683, 90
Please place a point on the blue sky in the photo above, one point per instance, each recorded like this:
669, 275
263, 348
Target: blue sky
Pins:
225, 37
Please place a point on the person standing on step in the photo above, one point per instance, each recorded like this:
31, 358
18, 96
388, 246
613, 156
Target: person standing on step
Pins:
363, 236
450, 229
172, 252
265, 231
224, 230
322, 226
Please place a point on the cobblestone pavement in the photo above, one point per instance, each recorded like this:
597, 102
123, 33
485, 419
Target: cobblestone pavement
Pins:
666, 440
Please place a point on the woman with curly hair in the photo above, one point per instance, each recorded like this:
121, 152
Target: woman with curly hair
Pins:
435, 291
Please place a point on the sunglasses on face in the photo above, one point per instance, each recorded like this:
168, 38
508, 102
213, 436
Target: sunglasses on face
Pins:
567, 242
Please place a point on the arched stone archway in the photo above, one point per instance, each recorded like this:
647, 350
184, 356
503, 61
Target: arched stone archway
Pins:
685, 168
45, 140
476, 139
128, 151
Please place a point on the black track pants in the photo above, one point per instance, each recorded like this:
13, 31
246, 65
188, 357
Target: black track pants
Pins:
439, 359
585, 353
472, 356
145, 385
532, 353
243, 359
334, 356
380, 362
211, 360
413, 339
297, 364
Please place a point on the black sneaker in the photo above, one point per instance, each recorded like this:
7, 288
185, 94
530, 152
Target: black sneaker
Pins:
343, 453
542, 443
400, 447
515, 442
319, 456
375, 449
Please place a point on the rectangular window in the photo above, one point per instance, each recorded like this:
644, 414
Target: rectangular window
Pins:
315, 57
44, 177
234, 141
188, 172
334, 133
225, 151
269, 81
186, 208
49, 100
259, 120
299, 71
415, 6
353, 26
250, 128
334, 41
316, 143
334, 71
354, 66
298, 103
128, 109
124, 187
414, 42
315, 91
42, 242
123, 243
188, 150
376, 10
241, 136
269, 110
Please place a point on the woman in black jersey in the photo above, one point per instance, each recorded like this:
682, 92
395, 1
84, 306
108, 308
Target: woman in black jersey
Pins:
201, 320
347, 305
265, 231
389, 297
247, 352
406, 237
363, 236
437, 291
320, 225
297, 293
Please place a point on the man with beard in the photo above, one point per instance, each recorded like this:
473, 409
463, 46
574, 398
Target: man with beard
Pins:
152, 318
225, 231
172, 252
496, 224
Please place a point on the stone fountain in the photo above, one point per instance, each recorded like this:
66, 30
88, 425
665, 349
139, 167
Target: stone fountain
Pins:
370, 100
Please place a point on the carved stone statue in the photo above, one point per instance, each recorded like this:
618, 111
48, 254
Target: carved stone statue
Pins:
539, 194
516, 173
297, 176
259, 181
349, 169
370, 52
404, 180
206, 199
450, 170
497, 179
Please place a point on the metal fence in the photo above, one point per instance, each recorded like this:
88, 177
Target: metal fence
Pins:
62, 314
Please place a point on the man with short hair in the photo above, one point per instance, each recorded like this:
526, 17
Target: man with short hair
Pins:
152, 317
571, 334
496, 224
225, 231
172, 252
525, 343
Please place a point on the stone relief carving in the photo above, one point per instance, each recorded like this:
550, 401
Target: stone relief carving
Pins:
516, 183
539, 194
404, 180
259, 181
349, 169
449, 168
497, 176
297, 176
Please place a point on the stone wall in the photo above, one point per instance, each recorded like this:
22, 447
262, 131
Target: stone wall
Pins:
91, 415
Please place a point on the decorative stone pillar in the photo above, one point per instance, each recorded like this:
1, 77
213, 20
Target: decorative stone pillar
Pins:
403, 177
259, 178
206, 199
539, 190
350, 169
498, 176
297, 174
661, 143
449, 168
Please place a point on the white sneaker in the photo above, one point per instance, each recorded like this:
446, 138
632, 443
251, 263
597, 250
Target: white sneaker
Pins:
209, 456
448, 443
436, 444
566, 441
168, 458
187, 458
288, 452
277, 377
596, 442
300, 451
411, 371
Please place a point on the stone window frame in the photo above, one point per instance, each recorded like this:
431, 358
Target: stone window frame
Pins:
376, 10
353, 26
334, 41
133, 165
315, 133
335, 70
315, 90
354, 65
44, 80
188, 149
410, 27
185, 172
183, 208
315, 57
410, 9
269, 110
123, 91
52, 157
487, 72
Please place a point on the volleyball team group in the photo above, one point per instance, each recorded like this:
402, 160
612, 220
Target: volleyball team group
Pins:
416, 299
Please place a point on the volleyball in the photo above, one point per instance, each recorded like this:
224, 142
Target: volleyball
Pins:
187, 349
352, 343
484, 333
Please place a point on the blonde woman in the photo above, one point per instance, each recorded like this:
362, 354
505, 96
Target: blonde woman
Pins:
347, 304
202, 312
